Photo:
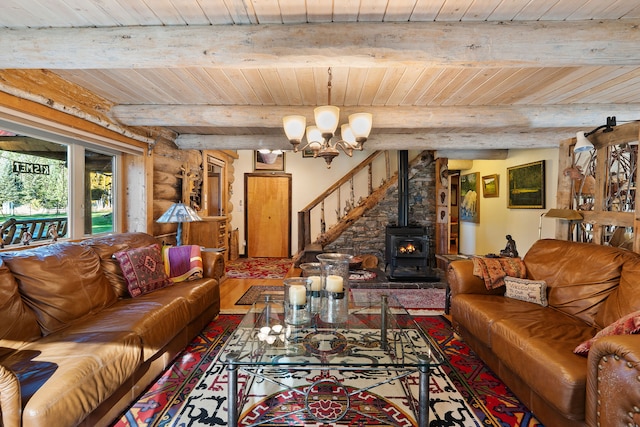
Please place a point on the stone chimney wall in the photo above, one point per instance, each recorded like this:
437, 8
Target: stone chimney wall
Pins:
367, 234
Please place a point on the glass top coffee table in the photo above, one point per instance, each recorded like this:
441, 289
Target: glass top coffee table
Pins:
380, 342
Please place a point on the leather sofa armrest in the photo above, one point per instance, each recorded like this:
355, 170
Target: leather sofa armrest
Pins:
462, 281
213, 264
10, 400
613, 381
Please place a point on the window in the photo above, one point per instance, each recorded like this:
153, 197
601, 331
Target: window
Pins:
48, 185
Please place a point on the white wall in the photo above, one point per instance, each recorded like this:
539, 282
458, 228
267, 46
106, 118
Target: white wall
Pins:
309, 178
496, 220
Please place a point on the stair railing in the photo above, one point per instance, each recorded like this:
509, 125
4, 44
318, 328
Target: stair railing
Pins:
314, 218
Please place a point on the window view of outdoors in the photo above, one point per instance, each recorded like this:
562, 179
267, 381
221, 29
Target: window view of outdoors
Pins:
35, 192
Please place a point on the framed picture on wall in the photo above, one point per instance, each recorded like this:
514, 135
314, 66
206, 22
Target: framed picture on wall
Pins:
526, 186
490, 185
469, 200
268, 161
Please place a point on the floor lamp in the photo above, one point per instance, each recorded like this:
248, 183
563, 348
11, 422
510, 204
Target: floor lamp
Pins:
179, 213
564, 214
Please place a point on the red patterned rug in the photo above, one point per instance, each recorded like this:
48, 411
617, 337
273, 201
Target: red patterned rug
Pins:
258, 268
491, 401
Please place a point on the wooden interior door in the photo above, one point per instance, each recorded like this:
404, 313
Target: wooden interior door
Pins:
268, 215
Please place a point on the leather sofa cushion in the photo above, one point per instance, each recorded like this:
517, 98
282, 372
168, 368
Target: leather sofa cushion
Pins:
199, 295
17, 321
625, 298
106, 246
62, 283
63, 377
572, 288
537, 345
156, 318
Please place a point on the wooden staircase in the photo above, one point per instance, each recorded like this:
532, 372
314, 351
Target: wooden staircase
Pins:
359, 181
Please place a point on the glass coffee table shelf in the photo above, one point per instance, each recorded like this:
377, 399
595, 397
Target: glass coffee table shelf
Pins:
380, 342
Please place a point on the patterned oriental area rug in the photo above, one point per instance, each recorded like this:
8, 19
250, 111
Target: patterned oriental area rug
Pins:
258, 268
484, 401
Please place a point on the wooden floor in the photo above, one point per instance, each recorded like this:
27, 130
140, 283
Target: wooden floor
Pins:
232, 289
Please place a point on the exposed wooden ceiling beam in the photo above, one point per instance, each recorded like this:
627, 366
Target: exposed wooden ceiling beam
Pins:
459, 44
550, 116
414, 141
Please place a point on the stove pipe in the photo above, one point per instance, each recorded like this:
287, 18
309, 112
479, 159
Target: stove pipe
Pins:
403, 188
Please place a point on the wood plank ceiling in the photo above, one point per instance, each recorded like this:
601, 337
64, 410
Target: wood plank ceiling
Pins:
436, 74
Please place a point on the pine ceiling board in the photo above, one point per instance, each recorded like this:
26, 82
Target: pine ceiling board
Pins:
140, 12
210, 90
372, 10
508, 10
522, 82
166, 12
305, 80
346, 10
119, 12
422, 85
456, 87
293, 11
598, 80
354, 85
619, 89
52, 14
634, 13
191, 12
388, 85
404, 85
267, 11
90, 14
495, 84
290, 85
370, 86
259, 90
274, 86
319, 11
427, 10
241, 11
99, 82
620, 9
534, 10
339, 82
399, 10
475, 84
560, 84
243, 86
178, 84
216, 11
604, 10
537, 80
453, 11
562, 10
224, 87
437, 86
480, 10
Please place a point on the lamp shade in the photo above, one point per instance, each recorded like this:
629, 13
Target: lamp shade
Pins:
582, 143
179, 212
294, 127
327, 118
361, 124
347, 135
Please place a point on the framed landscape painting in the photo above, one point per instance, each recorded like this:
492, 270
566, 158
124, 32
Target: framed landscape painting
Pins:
526, 186
469, 200
490, 185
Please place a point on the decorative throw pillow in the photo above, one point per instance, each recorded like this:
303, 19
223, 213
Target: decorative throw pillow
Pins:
143, 269
182, 263
629, 324
534, 291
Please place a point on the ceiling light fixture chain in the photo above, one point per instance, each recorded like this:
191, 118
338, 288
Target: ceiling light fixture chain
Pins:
353, 135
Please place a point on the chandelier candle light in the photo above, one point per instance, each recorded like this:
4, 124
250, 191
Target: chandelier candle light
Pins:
319, 137
296, 307
335, 277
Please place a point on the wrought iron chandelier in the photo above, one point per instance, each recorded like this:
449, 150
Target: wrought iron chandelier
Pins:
320, 138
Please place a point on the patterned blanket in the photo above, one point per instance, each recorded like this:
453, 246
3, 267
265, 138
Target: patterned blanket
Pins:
494, 270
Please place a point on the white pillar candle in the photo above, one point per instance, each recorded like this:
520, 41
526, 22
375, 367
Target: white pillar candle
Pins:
334, 284
316, 283
297, 295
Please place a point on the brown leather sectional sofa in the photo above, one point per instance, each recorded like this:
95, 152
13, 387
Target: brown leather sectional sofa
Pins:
530, 347
75, 348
